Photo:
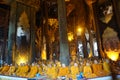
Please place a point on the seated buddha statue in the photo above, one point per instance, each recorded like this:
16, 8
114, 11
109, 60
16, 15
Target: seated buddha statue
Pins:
98, 69
11, 70
63, 71
5, 69
24, 71
74, 71
33, 71
20, 70
87, 71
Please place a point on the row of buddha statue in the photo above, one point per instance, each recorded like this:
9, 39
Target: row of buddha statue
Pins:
56, 69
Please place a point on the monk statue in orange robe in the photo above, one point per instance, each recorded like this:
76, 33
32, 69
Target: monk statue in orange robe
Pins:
63, 71
98, 69
74, 69
87, 71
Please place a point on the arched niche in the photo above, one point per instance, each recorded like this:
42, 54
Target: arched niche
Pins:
21, 36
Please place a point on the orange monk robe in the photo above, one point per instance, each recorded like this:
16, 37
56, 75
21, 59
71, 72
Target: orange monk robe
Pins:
5, 69
87, 72
11, 70
24, 71
74, 71
54, 72
98, 70
33, 71
63, 71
